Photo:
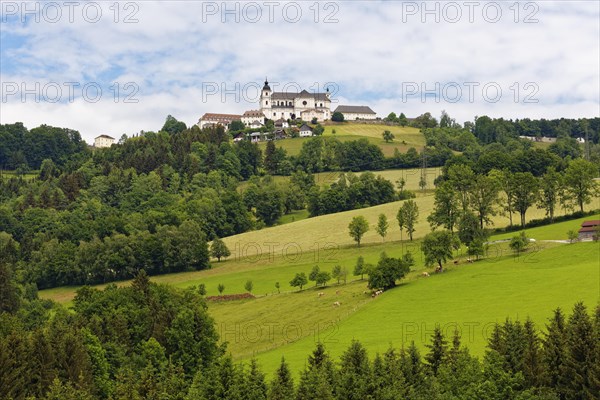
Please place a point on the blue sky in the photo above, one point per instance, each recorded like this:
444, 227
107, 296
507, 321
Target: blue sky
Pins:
151, 59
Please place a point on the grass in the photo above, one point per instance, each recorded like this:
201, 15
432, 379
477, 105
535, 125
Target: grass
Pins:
405, 137
294, 216
469, 297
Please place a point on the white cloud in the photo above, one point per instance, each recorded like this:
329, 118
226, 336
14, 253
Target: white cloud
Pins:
370, 53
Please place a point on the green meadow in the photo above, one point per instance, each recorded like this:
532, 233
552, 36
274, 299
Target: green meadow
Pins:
405, 137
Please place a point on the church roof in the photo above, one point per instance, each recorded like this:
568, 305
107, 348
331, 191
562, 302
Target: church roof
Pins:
293, 95
266, 87
284, 95
355, 109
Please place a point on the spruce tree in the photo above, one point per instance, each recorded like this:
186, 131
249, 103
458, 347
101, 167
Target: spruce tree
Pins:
317, 381
580, 355
388, 380
412, 366
553, 351
282, 385
437, 350
532, 365
354, 379
255, 387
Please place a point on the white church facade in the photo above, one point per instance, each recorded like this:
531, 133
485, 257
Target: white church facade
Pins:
291, 105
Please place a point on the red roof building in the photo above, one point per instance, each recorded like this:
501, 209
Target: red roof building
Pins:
589, 229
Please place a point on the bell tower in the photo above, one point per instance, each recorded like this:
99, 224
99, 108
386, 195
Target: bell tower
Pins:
265, 96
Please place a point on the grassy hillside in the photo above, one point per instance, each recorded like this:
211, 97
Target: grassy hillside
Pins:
469, 297
405, 138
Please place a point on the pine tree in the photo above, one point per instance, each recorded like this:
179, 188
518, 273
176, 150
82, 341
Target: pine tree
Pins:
460, 373
255, 387
388, 380
317, 381
354, 380
66, 391
515, 345
532, 365
580, 353
412, 366
282, 385
437, 350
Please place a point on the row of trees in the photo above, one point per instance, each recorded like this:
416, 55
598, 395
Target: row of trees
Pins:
461, 191
383, 275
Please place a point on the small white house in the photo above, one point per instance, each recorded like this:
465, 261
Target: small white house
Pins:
305, 131
352, 113
103, 141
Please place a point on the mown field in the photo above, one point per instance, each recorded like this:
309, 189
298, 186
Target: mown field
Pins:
405, 137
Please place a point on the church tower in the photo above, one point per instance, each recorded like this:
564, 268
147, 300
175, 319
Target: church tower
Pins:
265, 96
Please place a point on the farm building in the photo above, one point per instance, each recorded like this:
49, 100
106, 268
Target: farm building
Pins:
214, 119
589, 229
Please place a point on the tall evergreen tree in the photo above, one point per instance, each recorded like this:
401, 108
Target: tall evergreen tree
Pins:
354, 379
580, 355
532, 364
437, 350
317, 381
255, 387
282, 385
554, 351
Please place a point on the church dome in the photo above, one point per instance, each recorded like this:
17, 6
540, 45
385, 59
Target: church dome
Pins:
266, 87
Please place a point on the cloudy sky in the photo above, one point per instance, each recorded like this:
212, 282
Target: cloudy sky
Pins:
115, 68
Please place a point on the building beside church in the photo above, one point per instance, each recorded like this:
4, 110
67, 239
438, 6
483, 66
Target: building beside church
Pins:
352, 113
291, 105
214, 119
103, 141
253, 118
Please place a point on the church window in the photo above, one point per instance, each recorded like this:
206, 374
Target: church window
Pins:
304, 103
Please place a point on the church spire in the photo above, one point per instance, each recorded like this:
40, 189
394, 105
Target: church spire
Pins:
266, 87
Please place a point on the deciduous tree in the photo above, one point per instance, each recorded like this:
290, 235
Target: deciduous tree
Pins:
357, 228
